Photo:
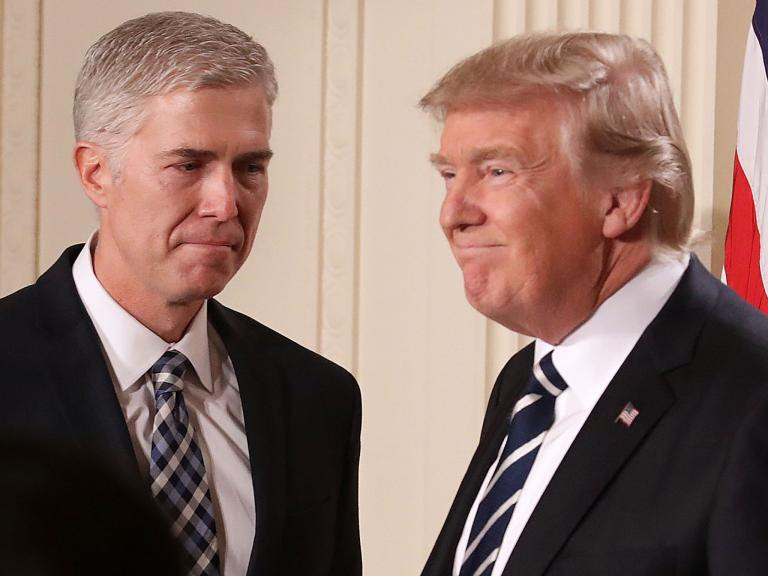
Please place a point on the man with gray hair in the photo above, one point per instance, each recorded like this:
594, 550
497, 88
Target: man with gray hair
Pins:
248, 442
629, 437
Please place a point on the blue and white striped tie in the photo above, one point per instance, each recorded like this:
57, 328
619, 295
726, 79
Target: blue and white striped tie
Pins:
177, 469
532, 416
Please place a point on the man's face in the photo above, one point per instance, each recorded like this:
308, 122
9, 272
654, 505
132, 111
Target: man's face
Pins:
523, 229
179, 219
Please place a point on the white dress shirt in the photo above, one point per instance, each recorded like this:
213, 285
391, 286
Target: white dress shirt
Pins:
211, 394
587, 359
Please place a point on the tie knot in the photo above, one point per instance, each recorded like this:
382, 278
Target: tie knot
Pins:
546, 376
168, 371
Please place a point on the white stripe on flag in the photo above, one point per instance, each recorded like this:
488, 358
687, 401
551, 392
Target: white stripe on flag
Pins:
751, 144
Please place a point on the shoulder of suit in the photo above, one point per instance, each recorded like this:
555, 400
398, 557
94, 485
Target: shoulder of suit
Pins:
289, 354
16, 305
54, 290
732, 315
727, 335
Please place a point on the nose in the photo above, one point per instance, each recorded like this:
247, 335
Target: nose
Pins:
460, 206
219, 196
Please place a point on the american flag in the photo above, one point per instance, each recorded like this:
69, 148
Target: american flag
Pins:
627, 415
746, 243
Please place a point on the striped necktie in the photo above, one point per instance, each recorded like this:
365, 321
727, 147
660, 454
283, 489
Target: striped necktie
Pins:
532, 416
177, 469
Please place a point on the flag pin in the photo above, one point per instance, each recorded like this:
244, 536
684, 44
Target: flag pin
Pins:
627, 415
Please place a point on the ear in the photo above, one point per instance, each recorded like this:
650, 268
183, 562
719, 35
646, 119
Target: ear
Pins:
95, 174
627, 206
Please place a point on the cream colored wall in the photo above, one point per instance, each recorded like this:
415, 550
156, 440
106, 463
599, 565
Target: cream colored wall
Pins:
19, 114
349, 259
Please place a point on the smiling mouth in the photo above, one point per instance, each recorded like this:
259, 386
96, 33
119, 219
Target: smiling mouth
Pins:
470, 252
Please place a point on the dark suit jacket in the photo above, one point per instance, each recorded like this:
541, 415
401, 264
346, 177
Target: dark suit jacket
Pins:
302, 418
684, 489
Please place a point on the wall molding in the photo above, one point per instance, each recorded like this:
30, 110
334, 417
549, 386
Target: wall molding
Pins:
340, 183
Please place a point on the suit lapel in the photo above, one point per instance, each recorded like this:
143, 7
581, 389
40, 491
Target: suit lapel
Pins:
81, 379
508, 385
260, 386
604, 444
78, 372
597, 454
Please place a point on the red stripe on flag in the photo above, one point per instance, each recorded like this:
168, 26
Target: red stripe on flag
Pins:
742, 243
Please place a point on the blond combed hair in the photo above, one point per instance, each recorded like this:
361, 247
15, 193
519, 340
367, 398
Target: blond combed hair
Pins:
156, 54
624, 112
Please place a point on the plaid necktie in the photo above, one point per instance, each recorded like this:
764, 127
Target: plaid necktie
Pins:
177, 469
532, 416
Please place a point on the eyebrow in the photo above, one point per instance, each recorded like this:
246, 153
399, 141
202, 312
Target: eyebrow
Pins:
207, 155
438, 160
255, 156
480, 155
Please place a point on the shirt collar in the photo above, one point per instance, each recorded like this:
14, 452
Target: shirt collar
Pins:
131, 347
590, 356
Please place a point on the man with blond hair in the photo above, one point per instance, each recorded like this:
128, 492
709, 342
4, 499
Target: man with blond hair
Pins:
248, 442
630, 437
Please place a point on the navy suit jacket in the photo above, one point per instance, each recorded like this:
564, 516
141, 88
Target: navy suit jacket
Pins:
302, 418
684, 489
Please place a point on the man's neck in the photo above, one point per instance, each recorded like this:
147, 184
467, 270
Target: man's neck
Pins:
169, 320
622, 262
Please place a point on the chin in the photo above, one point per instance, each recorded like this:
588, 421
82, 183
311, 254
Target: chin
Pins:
207, 281
493, 306
196, 291
486, 309
480, 302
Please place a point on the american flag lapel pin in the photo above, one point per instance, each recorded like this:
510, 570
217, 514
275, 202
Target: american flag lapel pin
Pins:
627, 415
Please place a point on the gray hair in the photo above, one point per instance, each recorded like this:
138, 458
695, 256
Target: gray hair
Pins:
156, 54
619, 91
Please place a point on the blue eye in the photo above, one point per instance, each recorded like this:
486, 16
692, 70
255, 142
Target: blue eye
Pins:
188, 166
250, 168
